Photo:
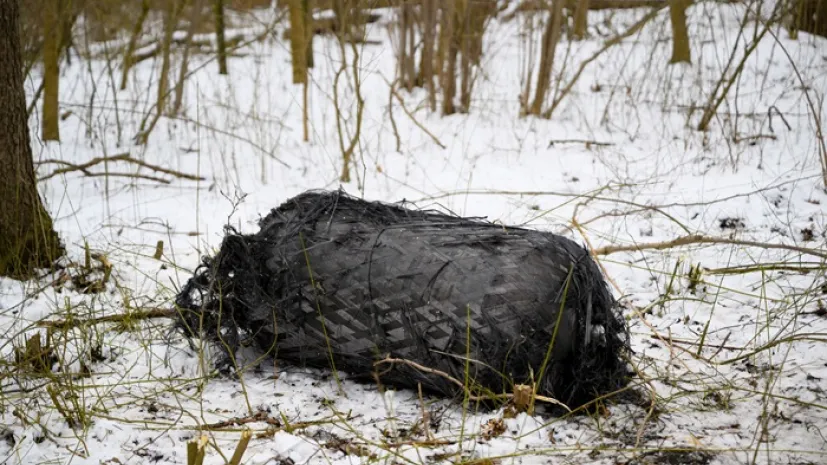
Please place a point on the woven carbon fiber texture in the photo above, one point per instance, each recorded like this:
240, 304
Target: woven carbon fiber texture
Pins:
417, 285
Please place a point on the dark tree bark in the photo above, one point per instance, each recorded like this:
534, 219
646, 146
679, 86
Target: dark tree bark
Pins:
218, 6
809, 16
27, 237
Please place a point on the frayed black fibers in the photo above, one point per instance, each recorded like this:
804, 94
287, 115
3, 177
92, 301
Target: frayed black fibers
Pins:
414, 285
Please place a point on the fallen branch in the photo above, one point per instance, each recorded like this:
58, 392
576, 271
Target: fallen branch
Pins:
700, 239
121, 157
330, 26
124, 175
260, 417
533, 6
671, 340
117, 318
763, 267
152, 49
462, 386
588, 143
276, 424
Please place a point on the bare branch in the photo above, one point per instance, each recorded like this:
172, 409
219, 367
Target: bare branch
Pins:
121, 157
700, 239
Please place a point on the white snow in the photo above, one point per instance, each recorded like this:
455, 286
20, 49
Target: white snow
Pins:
755, 393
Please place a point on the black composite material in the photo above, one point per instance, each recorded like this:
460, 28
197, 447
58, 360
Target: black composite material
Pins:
412, 284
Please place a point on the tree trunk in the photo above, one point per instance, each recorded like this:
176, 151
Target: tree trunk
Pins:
809, 16
341, 8
426, 66
680, 35
170, 21
550, 38
450, 48
411, 54
172, 11
298, 41
27, 237
581, 17
401, 60
464, 36
308, 32
479, 11
218, 7
407, 76
50, 129
133, 42
194, 22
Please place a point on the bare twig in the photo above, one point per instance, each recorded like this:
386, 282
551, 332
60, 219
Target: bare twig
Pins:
424, 369
587, 143
763, 267
392, 119
260, 417
118, 318
411, 116
701, 239
36, 97
815, 113
83, 167
672, 340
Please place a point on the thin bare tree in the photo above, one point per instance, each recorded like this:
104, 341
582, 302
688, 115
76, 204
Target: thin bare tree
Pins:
172, 10
447, 56
220, 39
50, 127
551, 36
194, 23
133, 42
426, 66
300, 32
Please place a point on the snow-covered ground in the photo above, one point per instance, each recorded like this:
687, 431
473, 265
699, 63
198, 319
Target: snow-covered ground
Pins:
731, 362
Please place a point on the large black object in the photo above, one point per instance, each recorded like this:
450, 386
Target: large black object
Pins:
332, 279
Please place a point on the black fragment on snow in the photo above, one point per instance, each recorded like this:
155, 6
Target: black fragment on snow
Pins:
393, 281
